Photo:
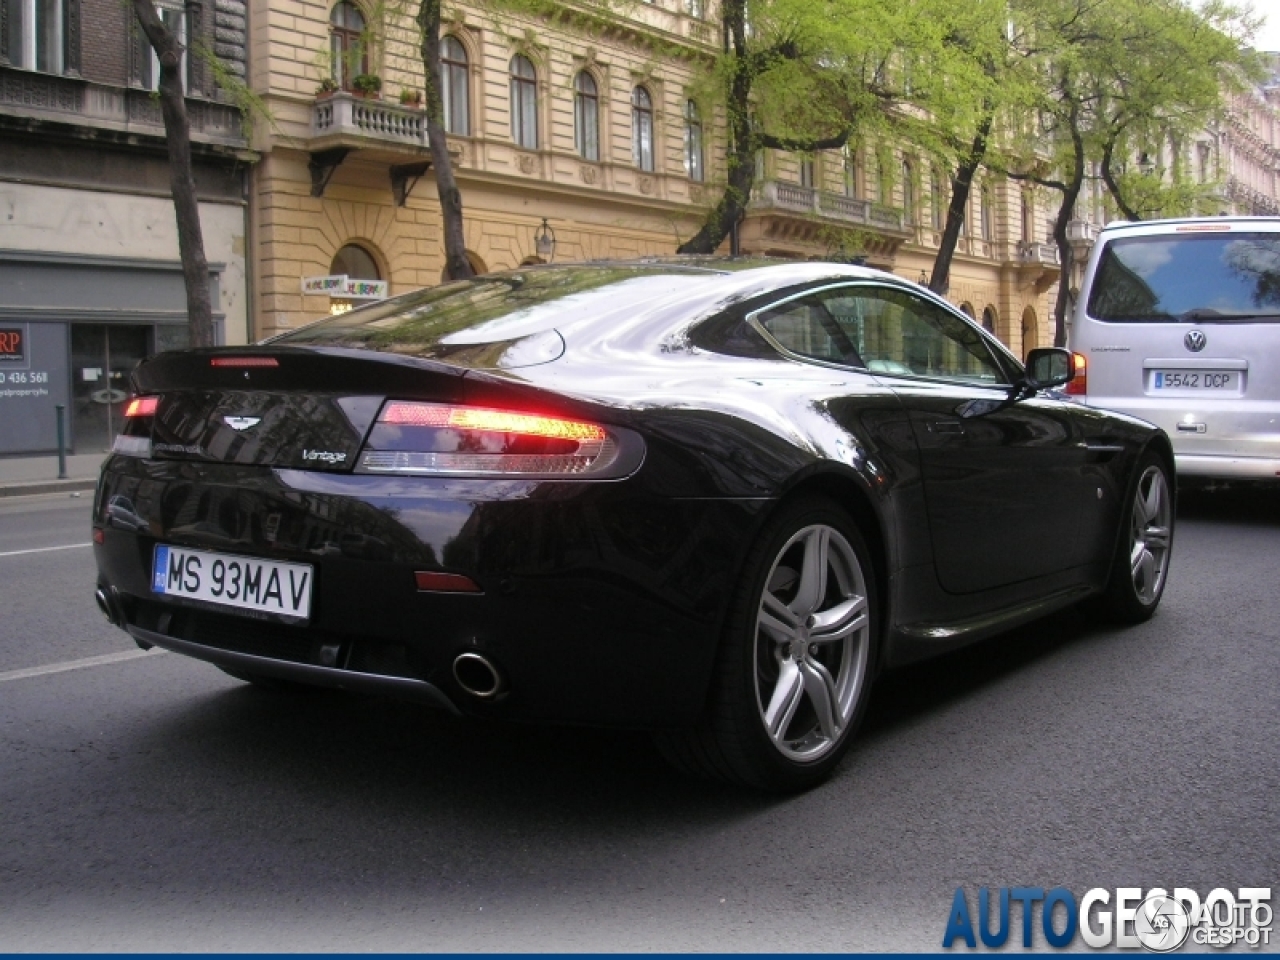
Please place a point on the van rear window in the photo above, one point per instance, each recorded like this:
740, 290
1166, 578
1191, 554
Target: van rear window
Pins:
1222, 277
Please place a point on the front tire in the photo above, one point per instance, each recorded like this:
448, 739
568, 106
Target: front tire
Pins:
1141, 564
795, 664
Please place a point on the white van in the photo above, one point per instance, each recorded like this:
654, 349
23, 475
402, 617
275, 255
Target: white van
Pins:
1178, 322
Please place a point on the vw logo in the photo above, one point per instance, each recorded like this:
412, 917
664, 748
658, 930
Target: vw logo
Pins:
1195, 341
241, 423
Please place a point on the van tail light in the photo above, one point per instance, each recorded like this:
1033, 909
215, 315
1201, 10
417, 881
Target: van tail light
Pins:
1078, 385
436, 439
134, 439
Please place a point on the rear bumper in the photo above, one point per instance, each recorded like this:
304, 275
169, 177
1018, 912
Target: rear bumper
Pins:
602, 604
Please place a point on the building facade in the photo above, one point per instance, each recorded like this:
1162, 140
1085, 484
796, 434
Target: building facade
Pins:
588, 129
90, 279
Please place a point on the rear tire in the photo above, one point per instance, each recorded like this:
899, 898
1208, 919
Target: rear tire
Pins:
1140, 567
794, 667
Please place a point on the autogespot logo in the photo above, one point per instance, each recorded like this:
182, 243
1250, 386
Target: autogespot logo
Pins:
1128, 918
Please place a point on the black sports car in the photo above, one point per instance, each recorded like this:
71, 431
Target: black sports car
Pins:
708, 498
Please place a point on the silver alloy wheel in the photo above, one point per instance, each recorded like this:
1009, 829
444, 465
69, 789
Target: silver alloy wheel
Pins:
1150, 534
813, 634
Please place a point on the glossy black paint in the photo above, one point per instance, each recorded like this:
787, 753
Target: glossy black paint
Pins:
603, 600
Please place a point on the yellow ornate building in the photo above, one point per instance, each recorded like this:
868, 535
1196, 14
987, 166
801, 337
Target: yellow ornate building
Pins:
584, 128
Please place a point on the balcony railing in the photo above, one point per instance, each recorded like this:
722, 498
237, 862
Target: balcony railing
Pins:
122, 109
778, 195
344, 115
1044, 254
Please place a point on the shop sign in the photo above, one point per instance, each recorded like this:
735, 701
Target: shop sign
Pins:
343, 287
13, 346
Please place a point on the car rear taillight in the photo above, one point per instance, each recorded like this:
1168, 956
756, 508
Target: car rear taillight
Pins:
135, 435
452, 440
1078, 385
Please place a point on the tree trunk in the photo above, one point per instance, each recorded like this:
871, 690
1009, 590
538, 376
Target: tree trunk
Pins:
457, 264
1070, 194
1113, 188
177, 130
732, 205
960, 188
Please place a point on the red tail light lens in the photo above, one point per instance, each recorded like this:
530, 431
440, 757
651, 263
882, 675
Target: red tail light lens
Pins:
142, 407
452, 440
1078, 385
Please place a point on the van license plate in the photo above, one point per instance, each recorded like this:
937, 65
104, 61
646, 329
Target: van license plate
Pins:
1195, 380
246, 583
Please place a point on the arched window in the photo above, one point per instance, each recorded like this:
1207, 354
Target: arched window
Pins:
849, 166
586, 116
348, 52
908, 194
642, 128
989, 319
988, 214
355, 262
524, 103
693, 142
455, 89
1030, 330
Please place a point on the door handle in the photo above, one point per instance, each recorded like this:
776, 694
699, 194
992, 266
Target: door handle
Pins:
948, 427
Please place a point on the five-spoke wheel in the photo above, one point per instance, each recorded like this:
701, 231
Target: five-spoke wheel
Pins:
1141, 563
796, 659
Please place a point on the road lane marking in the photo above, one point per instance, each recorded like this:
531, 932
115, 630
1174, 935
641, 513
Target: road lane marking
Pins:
78, 664
69, 546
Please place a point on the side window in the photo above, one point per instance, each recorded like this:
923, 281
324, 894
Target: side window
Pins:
896, 333
806, 327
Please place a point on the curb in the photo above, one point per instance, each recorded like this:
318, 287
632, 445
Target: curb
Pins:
46, 486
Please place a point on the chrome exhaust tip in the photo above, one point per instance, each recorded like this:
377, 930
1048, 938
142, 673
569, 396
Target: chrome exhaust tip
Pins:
106, 606
478, 676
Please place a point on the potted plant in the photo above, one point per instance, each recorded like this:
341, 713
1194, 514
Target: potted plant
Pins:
367, 85
409, 97
328, 86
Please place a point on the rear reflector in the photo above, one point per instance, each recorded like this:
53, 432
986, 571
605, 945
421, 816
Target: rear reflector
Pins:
1078, 385
433, 582
142, 407
244, 362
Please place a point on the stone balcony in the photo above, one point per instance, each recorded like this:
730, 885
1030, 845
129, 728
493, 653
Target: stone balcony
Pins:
30, 97
790, 217
348, 120
1038, 264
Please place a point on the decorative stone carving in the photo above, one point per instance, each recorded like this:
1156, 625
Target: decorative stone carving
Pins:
646, 185
696, 195
527, 163
589, 174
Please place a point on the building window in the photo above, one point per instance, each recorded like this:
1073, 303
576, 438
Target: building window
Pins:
586, 117
806, 172
524, 103
693, 142
988, 214
696, 8
348, 52
355, 263
1028, 216
908, 193
642, 128
455, 87
849, 167
175, 21
36, 36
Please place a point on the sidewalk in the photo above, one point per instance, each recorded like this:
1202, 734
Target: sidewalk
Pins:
23, 476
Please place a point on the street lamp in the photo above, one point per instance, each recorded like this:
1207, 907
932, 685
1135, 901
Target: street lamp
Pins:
544, 241
1146, 164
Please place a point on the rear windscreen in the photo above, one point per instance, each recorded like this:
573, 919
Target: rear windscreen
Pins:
1196, 278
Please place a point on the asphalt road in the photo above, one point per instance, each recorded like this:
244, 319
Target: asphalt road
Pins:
152, 803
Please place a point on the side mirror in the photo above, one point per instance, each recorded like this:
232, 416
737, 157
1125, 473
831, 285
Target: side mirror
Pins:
1048, 367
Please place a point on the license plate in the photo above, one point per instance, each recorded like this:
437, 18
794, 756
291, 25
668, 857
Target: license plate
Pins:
1195, 380
246, 583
